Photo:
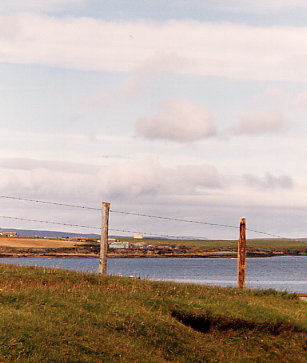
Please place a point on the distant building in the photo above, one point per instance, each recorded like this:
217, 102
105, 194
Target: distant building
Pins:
8, 234
138, 236
120, 245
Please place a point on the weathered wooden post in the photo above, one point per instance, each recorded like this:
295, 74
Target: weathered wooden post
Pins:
242, 253
104, 238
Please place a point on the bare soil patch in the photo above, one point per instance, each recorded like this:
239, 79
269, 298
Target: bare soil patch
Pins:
36, 243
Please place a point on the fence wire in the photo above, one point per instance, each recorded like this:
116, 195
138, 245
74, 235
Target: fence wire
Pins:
133, 214
99, 228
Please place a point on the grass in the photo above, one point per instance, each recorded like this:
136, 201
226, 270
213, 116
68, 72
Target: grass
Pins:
50, 315
269, 244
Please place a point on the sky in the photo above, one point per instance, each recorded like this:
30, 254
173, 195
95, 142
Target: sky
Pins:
185, 109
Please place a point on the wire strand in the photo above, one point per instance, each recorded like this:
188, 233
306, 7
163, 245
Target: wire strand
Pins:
127, 231
116, 211
143, 215
97, 228
49, 202
175, 219
161, 235
119, 212
48, 222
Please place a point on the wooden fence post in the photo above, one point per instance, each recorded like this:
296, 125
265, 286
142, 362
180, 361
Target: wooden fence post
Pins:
242, 253
104, 238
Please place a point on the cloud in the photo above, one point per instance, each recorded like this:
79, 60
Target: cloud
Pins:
259, 123
246, 6
57, 166
148, 177
269, 181
276, 94
259, 6
180, 121
134, 83
145, 186
302, 99
199, 176
118, 180
184, 47
39, 6
131, 86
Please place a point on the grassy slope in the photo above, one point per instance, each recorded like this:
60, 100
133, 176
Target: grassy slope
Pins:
49, 315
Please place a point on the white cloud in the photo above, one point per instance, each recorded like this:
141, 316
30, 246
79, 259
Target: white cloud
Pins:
127, 89
145, 186
148, 177
259, 6
269, 181
188, 47
246, 6
122, 179
39, 5
134, 83
57, 166
180, 121
259, 123
199, 176
276, 94
302, 99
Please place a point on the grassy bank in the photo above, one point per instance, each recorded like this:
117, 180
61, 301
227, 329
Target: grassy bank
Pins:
49, 315
266, 245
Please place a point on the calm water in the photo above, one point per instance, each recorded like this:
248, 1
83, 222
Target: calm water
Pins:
285, 273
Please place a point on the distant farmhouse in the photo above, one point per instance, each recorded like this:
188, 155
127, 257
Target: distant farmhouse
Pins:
8, 234
119, 245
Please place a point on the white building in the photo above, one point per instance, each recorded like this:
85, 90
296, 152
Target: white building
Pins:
8, 234
118, 245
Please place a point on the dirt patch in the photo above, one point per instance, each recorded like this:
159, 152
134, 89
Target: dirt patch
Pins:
206, 323
73, 249
36, 243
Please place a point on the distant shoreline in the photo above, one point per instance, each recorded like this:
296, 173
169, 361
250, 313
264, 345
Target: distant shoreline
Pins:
24, 247
131, 255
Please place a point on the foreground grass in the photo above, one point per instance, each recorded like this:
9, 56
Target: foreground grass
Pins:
49, 315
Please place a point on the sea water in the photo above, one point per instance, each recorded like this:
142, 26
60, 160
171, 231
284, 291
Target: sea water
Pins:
284, 273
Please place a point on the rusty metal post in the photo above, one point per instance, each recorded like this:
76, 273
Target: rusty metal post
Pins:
104, 238
242, 253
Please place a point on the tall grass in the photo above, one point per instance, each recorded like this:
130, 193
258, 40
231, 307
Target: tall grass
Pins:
50, 315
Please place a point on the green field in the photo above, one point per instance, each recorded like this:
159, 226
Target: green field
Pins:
49, 315
270, 244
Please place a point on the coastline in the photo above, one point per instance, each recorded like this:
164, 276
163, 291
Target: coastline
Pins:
23, 247
124, 254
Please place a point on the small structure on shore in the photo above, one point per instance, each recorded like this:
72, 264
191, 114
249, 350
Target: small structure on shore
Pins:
120, 245
8, 234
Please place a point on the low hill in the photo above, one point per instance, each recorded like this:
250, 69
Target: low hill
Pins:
45, 233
